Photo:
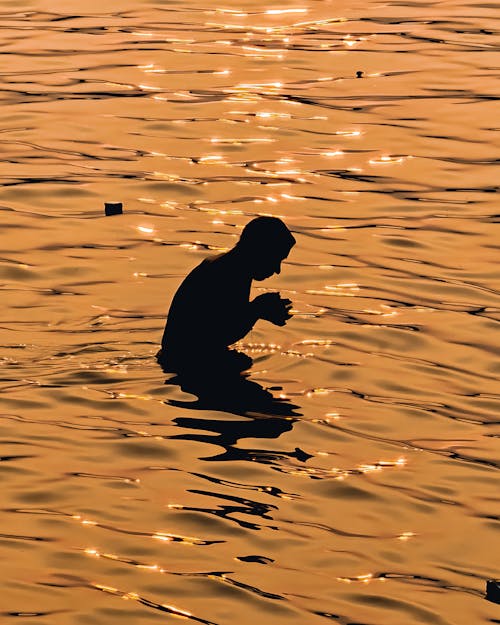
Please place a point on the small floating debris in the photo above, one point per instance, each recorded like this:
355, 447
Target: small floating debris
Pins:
302, 455
359, 74
113, 208
493, 590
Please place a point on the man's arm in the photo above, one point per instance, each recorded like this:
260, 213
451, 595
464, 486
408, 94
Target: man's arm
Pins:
225, 320
268, 306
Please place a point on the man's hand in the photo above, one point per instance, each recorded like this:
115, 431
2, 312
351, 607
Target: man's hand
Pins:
273, 308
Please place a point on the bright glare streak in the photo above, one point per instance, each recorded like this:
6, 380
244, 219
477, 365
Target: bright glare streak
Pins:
348, 133
386, 160
162, 537
283, 11
406, 536
333, 153
145, 229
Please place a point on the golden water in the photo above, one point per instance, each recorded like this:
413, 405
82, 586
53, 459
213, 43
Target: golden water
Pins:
378, 502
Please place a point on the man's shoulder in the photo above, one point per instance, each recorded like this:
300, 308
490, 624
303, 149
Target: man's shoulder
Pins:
208, 265
208, 269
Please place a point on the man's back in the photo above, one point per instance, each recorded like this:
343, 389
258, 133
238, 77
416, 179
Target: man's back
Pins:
207, 310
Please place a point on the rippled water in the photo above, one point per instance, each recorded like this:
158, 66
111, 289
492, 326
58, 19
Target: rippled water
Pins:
370, 496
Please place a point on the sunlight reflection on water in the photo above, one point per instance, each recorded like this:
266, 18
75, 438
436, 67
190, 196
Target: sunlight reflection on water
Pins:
353, 476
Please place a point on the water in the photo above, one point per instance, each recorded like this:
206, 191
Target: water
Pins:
376, 499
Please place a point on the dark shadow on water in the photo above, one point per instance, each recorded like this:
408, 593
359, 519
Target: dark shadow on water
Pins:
232, 392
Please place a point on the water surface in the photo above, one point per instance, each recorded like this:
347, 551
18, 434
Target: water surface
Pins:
367, 492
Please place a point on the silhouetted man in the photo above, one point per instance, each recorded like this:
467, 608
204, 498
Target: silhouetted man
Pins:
211, 309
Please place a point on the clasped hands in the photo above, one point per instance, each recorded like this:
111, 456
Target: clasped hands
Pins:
272, 307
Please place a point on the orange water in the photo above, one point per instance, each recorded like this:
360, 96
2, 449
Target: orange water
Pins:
377, 501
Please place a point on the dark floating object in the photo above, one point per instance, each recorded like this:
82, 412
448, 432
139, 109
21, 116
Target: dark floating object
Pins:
493, 590
302, 455
113, 208
359, 74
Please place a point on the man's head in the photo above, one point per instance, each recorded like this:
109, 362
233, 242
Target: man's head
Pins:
265, 243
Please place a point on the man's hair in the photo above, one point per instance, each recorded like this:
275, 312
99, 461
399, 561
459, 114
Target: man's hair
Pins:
265, 232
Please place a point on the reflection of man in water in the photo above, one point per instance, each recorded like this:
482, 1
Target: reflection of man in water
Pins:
211, 309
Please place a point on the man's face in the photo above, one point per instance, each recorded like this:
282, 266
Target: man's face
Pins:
268, 263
